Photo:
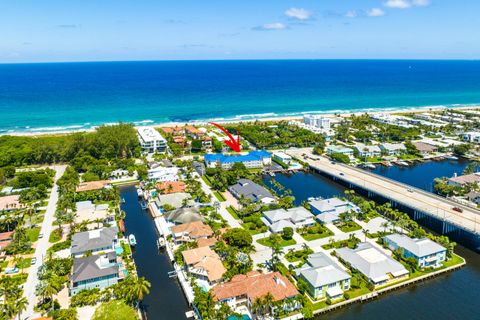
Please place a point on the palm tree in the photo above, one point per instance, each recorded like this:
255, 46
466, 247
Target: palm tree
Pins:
268, 300
21, 304
384, 225
138, 289
365, 233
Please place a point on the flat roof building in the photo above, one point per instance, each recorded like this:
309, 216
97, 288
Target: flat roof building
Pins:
151, 140
253, 159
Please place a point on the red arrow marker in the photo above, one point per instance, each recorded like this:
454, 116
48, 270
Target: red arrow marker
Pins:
232, 143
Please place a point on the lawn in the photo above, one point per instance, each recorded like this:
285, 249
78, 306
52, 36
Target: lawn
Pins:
55, 236
349, 226
283, 243
219, 196
207, 181
318, 231
115, 309
24, 263
233, 212
32, 234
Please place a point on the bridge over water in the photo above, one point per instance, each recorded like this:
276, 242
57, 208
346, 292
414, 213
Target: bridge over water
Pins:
430, 210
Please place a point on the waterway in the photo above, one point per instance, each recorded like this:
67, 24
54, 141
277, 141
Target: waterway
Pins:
166, 299
451, 296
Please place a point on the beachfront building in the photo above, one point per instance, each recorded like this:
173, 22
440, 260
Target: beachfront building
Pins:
471, 136
282, 157
329, 210
253, 159
250, 190
368, 151
317, 121
277, 220
378, 267
190, 232
395, 120
462, 181
324, 277
151, 140
428, 253
339, 149
393, 149
244, 289
204, 264
94, 241
94, 272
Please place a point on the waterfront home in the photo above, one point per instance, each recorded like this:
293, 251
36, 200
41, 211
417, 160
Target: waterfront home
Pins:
167, 187
393, 149
253, 159
339, 149
97, 271
87, 210
329, 210
428, 253
462, 181
151, 140
472, 136
378, 267
282, 157
245, 289
192, 231
425, 148
10, 203
93, 185
277, 220
250, 190
204, 264
5, 239
94, 241
183, 215
369, 151
175, 200
324, 277
163, 174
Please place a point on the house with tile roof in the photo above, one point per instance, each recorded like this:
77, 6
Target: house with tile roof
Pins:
204, 264
244, 289
428, 253
192, 231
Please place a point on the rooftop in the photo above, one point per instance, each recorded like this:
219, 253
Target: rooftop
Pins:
206, 259
10, 202
184, 215
419, 247
93, 239
149, 134
171, 186
250, 190
468, 178
322, 270
256, 155
92, 185
95, 266
196, 229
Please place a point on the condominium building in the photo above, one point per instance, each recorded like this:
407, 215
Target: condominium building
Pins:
151, 140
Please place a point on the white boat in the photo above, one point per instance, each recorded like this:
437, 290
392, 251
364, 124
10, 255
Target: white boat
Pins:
132, 240
161, 242
369, 166
451, 157
403, 163
143, 205
140, 192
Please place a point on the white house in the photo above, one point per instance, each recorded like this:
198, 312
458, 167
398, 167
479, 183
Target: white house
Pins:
471, 137
162, 174
329, 210
294, 218
393, 148
283, 157
151, 140
339, 149
367, 151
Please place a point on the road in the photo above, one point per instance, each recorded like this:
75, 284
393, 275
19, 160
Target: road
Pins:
42, 246
406, 195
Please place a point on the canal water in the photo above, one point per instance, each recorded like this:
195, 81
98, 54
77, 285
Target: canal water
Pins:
451, 296
166, 300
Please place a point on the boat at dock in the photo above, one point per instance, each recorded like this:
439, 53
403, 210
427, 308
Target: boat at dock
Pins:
403, 163
451, 158
140, 192
132, 240
160, 242
123, 200
143, 204
369, 166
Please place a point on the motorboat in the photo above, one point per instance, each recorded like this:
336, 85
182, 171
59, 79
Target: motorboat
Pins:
132, 240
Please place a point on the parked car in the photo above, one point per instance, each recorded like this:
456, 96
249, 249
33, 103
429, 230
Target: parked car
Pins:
410, 190
457, 209
11, 270
34, 261
342, 174
40, 235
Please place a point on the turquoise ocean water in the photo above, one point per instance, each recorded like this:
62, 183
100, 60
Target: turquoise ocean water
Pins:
69, 96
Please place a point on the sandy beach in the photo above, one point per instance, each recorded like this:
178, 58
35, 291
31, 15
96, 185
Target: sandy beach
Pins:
260, 118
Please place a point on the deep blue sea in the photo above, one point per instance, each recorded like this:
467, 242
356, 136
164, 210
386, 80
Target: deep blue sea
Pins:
62, 96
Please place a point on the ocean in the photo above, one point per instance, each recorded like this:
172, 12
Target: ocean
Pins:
52, 97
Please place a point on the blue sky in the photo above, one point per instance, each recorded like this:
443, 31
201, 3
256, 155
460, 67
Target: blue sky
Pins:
89, 30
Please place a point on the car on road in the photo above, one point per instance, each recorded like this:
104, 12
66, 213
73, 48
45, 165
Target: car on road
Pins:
342, 174
410, 190
34, 261
40, 235
457, 209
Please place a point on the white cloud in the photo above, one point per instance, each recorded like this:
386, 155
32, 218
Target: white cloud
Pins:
351, 14
398, 4
375, 12
405, 4
271, 26
298, 13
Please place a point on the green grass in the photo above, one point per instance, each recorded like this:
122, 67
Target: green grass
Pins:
349, 226
55, 236
219, 196
283, 243
233, 212
206, 180
24, 263
126, 248
32, 234
316, 236
114, 309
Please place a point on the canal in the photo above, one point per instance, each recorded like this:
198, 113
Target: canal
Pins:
451, 296
166, 299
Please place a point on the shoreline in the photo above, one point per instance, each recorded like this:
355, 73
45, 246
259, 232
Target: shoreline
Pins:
245, 118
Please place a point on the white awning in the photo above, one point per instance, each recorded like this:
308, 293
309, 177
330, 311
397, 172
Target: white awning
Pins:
334, 292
